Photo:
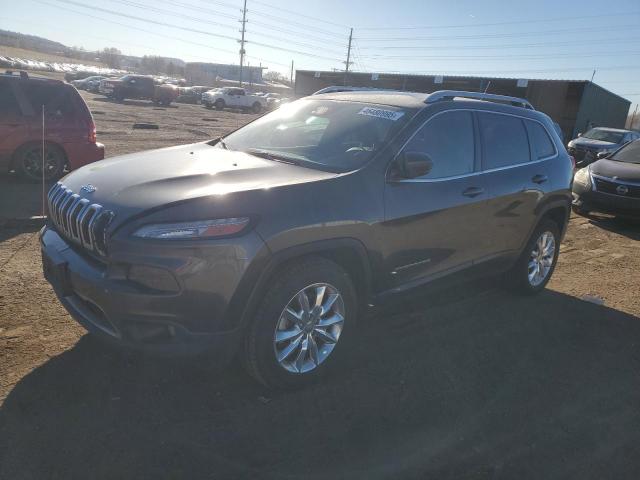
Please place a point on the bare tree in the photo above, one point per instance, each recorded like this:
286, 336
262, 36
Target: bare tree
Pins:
111, 56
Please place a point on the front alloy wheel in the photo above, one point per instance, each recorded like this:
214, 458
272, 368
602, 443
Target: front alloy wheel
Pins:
301, 328
541, 258
309, 328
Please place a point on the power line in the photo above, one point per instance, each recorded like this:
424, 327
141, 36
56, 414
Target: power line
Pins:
486, 57
305, 26
491, 35
264, 60
317, 19
495, 24
173, 14
450, 73
192, 30
292, 42
499, 46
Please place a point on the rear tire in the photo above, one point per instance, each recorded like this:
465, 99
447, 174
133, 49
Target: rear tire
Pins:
28, 162
256, 108
536, 264
321, 336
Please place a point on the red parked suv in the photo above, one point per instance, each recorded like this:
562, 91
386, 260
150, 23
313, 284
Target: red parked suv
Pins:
69, 130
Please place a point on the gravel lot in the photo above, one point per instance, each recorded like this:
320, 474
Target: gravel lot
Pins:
467, 383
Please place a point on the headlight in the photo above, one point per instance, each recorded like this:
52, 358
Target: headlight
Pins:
582, 177
196, 229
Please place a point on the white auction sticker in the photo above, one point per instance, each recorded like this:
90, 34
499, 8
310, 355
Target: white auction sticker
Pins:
381, 113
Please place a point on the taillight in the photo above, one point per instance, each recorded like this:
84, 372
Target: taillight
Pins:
92, 132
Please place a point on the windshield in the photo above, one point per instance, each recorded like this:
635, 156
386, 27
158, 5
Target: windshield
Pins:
333, 135
628, 154
604, 135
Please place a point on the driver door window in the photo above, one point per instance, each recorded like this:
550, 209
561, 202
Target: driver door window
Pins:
448, 139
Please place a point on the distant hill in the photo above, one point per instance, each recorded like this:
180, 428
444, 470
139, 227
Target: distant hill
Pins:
150, 64
32, 42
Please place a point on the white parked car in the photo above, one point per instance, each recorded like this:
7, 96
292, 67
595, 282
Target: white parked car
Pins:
232, 97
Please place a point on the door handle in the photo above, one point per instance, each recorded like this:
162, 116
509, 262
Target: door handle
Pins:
539, 179
473, 192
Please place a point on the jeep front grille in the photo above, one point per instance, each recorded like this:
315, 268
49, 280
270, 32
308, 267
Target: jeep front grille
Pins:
77, 219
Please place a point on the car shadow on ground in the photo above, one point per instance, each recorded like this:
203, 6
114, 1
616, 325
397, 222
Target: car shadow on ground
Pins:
472, 383
627, 227
135, 103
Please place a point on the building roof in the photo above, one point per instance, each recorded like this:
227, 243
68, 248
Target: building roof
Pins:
380, 97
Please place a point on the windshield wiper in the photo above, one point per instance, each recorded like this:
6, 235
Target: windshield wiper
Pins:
276, 157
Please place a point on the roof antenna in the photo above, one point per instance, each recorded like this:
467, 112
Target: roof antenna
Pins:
42, 171
487, 88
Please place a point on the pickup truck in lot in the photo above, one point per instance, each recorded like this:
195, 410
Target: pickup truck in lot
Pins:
138, 87
232, 97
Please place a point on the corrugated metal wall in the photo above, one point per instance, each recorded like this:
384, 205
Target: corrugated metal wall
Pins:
600, 108
567, 102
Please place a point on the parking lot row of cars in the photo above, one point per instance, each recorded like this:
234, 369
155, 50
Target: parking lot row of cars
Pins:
72, 69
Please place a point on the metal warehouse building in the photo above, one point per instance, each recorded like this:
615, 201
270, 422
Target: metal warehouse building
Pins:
576, 105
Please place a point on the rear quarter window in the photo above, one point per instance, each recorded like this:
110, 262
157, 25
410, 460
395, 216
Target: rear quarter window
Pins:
504, 140
543, 146
56, 98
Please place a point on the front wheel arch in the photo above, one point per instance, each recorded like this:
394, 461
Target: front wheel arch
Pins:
348, 253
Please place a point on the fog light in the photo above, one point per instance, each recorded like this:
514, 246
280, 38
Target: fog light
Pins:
153, 278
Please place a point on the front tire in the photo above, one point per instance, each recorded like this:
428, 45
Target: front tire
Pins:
302, 325
536, 264
256, 108
219, 104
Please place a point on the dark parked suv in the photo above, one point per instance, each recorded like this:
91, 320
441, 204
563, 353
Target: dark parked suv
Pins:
273, 238
69, 131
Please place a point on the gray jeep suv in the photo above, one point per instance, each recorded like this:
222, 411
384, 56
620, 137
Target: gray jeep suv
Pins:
268, 242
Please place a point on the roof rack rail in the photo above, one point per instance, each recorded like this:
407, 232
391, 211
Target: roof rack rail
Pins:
490, 97
24, 75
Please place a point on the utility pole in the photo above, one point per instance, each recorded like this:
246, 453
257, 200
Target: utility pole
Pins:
244, 25
291, 77
348, 62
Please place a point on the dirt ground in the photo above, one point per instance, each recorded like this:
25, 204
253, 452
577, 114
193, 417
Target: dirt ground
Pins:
469, 383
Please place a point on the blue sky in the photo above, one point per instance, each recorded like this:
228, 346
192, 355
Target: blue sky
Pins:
528, 39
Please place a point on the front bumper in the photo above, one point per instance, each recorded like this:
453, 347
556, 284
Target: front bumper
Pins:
103, 300
588, 199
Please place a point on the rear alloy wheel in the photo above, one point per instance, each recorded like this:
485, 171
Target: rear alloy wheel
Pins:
533, 270
30, 162
299, 329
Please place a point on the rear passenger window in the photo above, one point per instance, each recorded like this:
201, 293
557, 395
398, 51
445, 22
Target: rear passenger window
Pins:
542, 144
8, 103
504, 140
448, 140
55, 98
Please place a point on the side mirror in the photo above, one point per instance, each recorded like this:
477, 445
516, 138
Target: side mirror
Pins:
602, 155
580, 134
414, 164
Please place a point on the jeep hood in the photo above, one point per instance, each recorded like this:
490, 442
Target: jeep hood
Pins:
133, 183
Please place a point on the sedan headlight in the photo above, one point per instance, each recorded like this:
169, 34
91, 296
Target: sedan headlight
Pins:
196, 229
582, 177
